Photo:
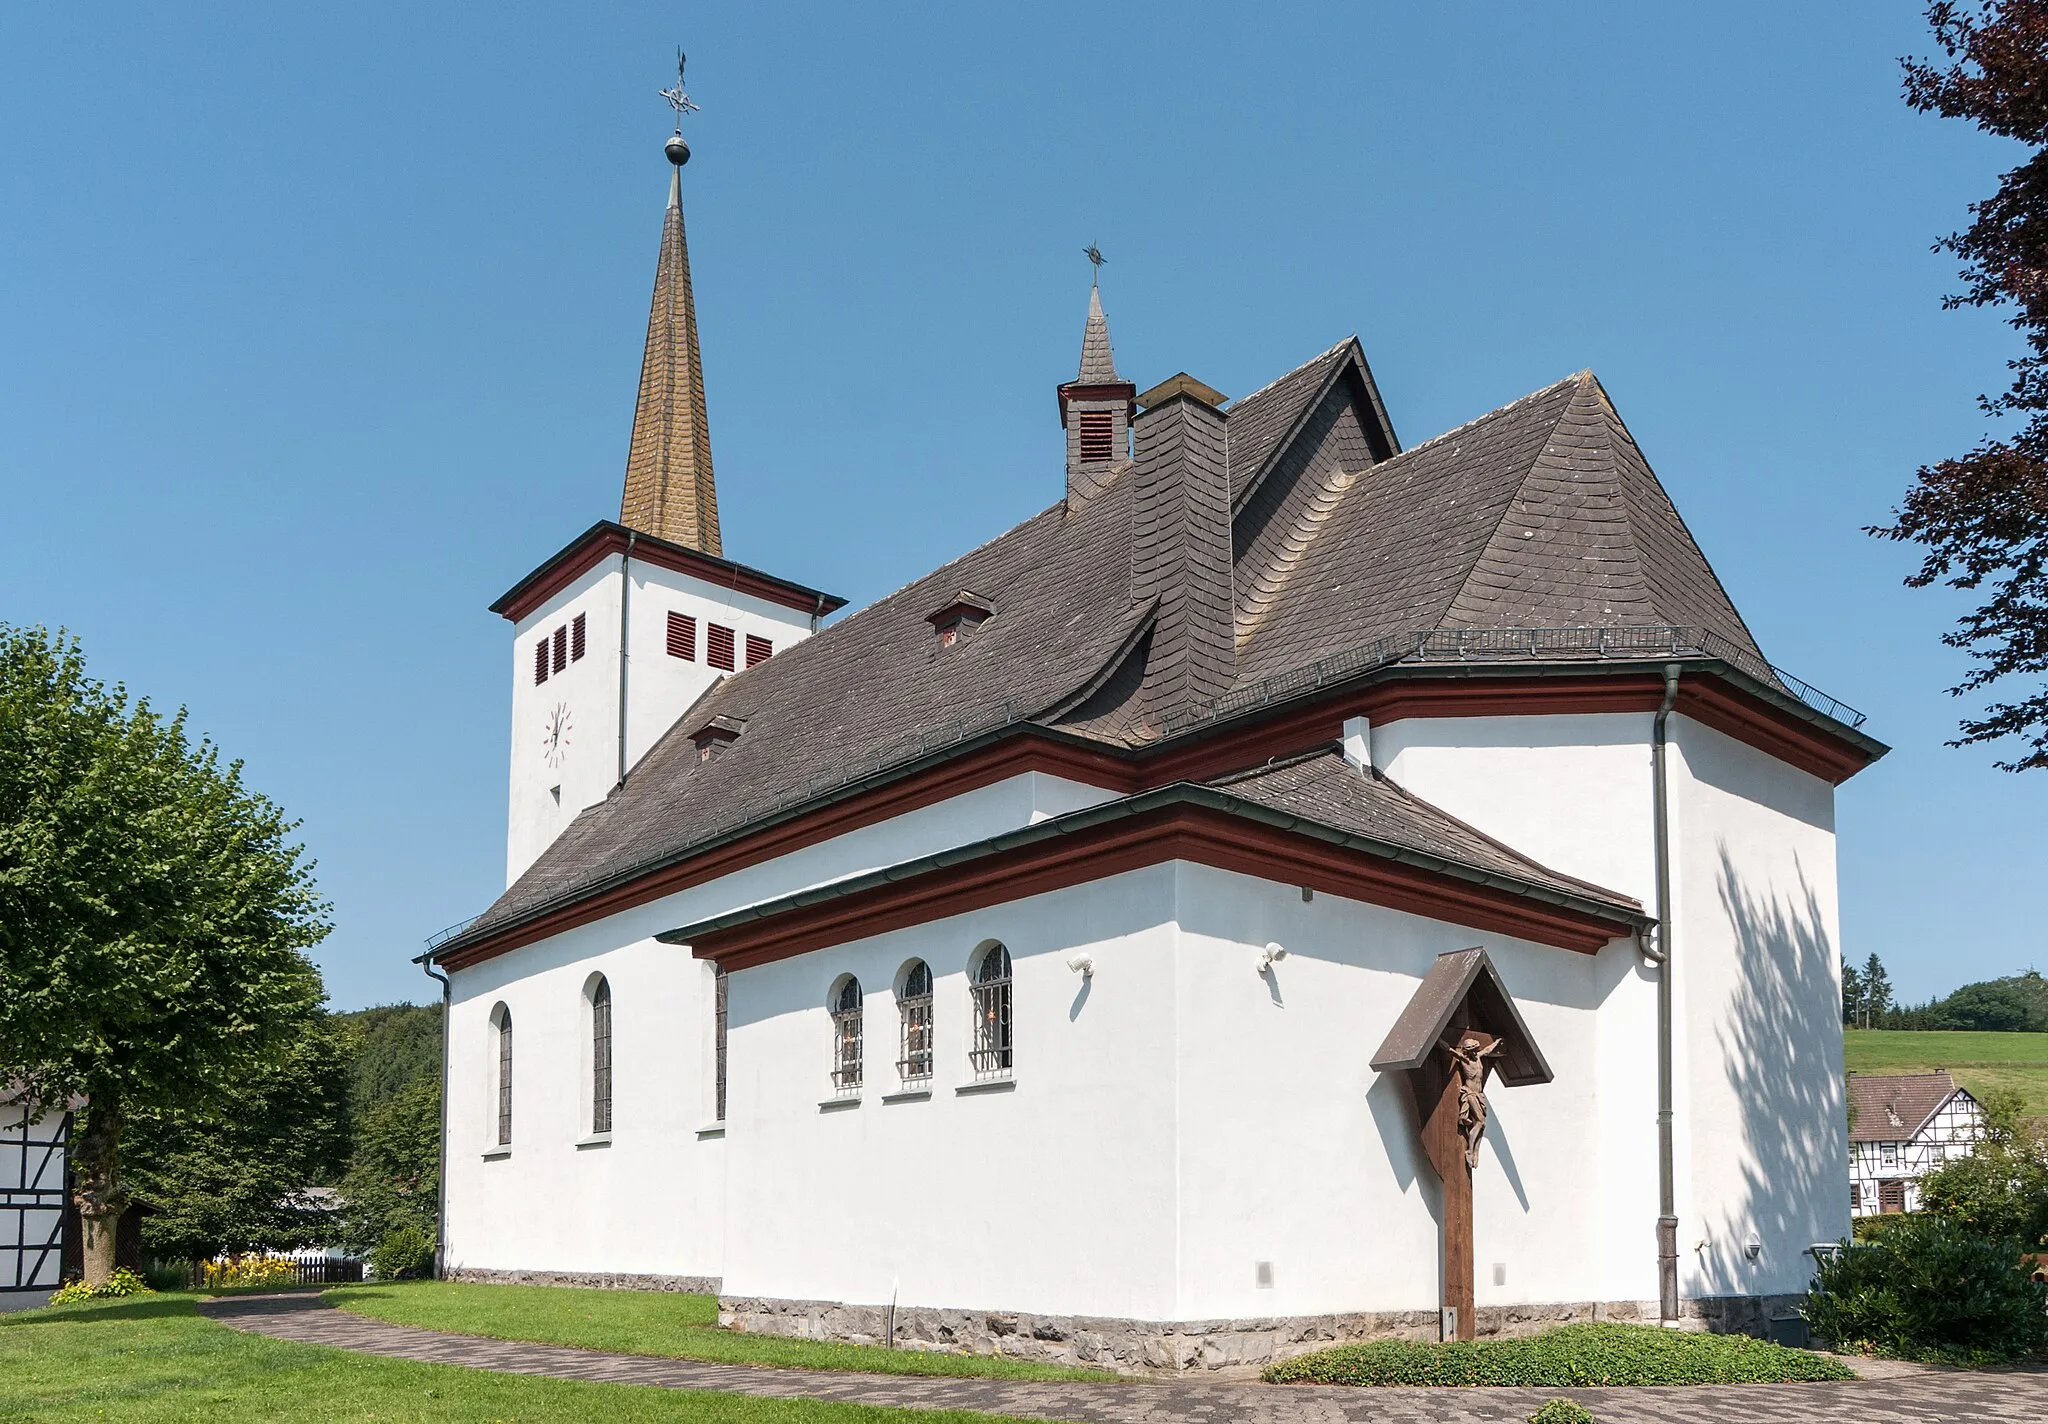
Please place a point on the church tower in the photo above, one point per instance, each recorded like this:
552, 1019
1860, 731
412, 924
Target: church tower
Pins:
616, 636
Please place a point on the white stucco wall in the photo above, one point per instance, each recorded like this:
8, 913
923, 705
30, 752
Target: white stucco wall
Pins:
1763, 1153
659, 688
550, 1206
1178, 1118
1757, 1001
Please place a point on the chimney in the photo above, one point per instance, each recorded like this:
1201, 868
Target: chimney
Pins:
1180, 546
1095, 409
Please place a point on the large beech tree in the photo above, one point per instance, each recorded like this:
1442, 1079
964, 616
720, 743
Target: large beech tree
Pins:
154, 916
1983, 517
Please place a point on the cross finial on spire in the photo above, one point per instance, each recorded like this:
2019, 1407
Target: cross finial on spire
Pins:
1094, 254
678, 151
677, 98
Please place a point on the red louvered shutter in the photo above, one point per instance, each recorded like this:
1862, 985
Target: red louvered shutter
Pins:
1098, 435
682, 637
540, 661
577, 642
561, 647
759, 650
718, 645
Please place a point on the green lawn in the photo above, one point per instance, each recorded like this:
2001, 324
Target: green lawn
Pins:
152, 1358
649, 1323
1980, 1061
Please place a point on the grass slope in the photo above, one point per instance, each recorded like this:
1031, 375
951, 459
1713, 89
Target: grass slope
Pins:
1569, 1356
1980, 1061
649, 1323
151, 1360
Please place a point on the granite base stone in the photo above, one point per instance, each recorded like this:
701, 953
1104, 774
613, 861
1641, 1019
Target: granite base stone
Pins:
588, 1280
1152, 1346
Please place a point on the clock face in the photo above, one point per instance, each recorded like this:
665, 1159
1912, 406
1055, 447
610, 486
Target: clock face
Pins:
554, 736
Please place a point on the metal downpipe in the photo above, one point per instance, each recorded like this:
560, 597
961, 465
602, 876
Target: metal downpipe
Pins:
1667, 1195
441, 1185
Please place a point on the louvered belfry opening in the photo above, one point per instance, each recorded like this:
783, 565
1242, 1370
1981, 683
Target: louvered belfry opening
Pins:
1098, 435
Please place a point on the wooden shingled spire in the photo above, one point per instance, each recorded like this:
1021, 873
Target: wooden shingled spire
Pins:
669, 489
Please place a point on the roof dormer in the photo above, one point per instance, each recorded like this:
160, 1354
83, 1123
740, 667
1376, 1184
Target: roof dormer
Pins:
716, 735
962, 616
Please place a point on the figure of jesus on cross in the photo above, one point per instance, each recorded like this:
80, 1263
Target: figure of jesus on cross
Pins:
1469, 1051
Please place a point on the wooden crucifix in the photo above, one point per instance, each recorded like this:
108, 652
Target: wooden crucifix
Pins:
1458, 1029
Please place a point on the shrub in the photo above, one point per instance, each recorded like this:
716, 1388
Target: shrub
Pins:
1562, 1411
252, 1269
122, 1282
1930, 1289
1569, 1356
406, 1254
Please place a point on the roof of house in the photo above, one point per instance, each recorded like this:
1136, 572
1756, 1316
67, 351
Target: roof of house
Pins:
1894, 1107
1542, 514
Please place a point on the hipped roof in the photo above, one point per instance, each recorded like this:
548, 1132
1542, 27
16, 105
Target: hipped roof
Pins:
1542, 513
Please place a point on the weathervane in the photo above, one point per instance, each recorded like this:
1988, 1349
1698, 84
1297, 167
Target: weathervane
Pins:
679, 100
1094, 255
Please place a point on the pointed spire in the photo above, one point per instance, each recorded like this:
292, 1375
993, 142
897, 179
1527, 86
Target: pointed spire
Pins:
669, 489
1098, 366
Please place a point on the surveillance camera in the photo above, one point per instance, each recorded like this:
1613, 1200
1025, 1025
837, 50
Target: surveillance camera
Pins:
1082, 964
1271, 955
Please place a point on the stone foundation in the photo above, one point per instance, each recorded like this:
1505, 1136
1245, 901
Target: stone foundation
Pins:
589, 1280
1175, 1346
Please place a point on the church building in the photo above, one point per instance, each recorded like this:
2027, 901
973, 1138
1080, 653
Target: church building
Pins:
1298, 887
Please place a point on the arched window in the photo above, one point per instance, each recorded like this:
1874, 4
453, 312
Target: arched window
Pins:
914, 1006
601, 1056
991, 992
501, 1021
718, 978
846, 1034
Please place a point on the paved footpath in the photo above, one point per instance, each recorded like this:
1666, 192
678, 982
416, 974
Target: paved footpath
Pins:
1912, 1397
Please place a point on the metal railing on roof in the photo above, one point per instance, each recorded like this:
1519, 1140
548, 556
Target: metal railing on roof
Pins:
1439, 645
1516, 645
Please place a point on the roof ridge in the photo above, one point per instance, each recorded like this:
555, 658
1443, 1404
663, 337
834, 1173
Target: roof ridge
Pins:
1521, 483
1319, 356
1488, 415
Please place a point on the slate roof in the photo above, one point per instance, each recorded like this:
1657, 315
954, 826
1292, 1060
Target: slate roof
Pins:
1542, 513
1893, 1107
1327, 789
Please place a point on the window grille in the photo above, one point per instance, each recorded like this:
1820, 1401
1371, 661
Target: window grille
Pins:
578, 641
718, 1040
1098, 435
718, 645
682, 637
846, 1036
601, 1057
504, 1077
914, 1005
759, 650
990, 1056
540, 660
561, 647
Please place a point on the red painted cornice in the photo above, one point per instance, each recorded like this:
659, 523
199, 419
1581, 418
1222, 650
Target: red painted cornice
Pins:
1232, 746
605, 539
1198, 834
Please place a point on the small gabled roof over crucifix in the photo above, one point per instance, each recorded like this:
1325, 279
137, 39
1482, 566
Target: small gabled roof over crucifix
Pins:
1463, 979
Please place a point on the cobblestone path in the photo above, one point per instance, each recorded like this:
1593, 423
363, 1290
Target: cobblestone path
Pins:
1907, 1396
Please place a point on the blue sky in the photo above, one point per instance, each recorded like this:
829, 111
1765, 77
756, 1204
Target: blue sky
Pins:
323, 328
